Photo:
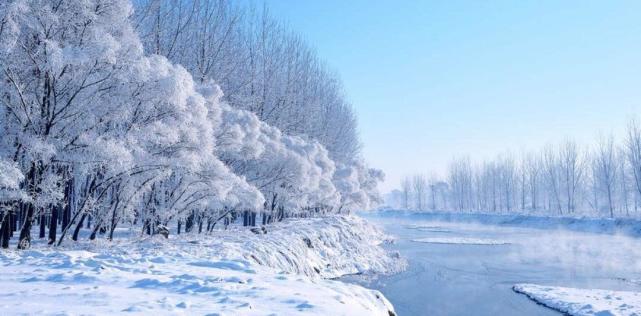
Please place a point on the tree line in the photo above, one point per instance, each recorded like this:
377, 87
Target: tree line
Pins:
166, 113
603, 180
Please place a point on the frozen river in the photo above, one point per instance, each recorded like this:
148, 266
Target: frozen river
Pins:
460, 268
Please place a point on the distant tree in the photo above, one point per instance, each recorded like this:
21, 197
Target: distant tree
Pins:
571, 171
552, 177
419, 186
633, 152
606, 170
406, 188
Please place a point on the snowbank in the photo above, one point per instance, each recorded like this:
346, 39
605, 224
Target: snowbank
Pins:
581, 302
328, 247
230, 273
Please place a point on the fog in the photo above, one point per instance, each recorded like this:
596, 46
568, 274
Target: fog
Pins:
579, 252
564, 249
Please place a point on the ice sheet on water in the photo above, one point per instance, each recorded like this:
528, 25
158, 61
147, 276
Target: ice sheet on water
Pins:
429, 228
579, 302
460, 240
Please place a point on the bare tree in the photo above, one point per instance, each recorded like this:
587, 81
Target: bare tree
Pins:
533, 167
563, 179
633, 152
606, 170
460, 180
551, 167
523, 183
433, 185
623, 179
419, 185
406, 188
572, 172
507, 176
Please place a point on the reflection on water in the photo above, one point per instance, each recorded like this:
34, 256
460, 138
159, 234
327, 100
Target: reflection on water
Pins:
458, 278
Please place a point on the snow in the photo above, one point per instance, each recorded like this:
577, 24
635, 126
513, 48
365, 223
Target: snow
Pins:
216, 274
460, 240
574, 301
344, 245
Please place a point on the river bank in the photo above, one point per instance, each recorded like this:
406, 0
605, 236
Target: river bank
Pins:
284, 271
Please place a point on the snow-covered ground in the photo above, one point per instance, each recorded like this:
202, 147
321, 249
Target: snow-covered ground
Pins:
583, 302
227, 273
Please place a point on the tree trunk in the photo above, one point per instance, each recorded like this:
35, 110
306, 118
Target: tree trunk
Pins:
253, 218
24, 242
68, 200
53, 224
14, 222
111, 231
94, 232
189, 224
5, 230
114, 219
43, 222
76, 231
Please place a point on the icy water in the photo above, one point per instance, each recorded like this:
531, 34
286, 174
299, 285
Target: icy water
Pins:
469, 269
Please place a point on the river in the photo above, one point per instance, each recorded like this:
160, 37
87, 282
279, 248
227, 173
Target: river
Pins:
445, 277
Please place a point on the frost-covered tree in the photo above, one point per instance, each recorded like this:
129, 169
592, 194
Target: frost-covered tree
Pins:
10, 193
633, 152
98, 132
460, 180
406, 188
560, 180
571, 164
260, 64
419, 187
605, 171
58, 62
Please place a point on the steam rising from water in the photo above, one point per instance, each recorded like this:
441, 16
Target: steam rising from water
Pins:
580, 252
570, 252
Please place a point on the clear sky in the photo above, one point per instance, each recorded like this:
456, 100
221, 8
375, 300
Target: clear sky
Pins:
431, 80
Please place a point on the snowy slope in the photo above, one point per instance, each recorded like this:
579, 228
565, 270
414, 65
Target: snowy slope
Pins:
581, 302
197, 275
328, 247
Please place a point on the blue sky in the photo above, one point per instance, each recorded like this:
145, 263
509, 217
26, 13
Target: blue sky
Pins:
431, 80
